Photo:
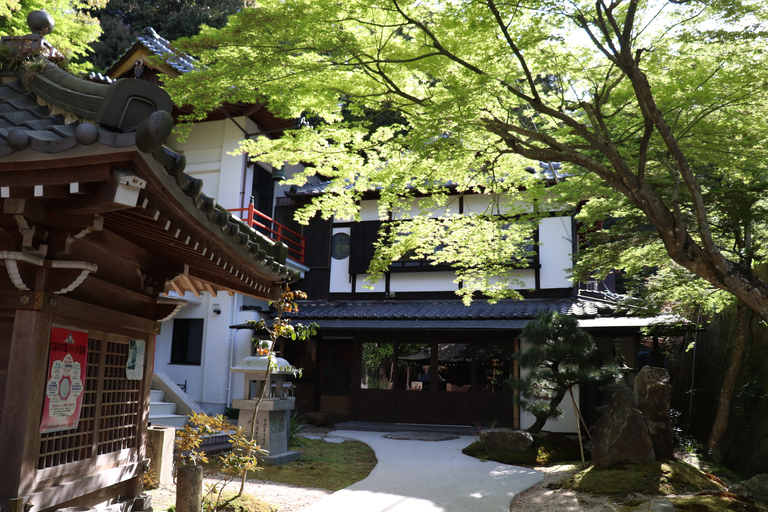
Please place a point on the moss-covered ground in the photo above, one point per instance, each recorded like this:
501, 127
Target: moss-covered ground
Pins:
323, 465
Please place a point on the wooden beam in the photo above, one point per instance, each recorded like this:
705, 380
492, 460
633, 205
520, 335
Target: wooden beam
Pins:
50, 177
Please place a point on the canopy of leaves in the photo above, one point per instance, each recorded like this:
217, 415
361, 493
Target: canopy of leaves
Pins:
75, 29
123, 21
654, 108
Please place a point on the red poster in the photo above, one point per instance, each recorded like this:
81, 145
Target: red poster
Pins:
66, 371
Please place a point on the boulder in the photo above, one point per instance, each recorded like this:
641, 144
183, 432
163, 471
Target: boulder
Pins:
755, 488
621, 435
317, 419
506, 440
652, 393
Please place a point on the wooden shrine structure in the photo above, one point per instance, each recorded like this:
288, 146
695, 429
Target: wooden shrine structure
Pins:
98, 222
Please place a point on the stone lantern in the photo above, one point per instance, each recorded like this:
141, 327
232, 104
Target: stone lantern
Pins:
273, 418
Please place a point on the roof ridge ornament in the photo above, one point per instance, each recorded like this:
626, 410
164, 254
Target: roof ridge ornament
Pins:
40, 22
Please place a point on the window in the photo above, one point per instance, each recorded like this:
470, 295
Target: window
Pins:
187, 346
340, 246
378, 366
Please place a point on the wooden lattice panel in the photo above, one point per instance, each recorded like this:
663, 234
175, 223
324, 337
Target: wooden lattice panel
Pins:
75, 445
109, 418
118, 426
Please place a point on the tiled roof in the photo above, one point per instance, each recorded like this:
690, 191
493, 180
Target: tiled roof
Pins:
25, 123
161, 47
47, 116
448, 309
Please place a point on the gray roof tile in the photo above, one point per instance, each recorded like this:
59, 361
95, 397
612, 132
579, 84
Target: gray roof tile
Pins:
161, 47
448, 309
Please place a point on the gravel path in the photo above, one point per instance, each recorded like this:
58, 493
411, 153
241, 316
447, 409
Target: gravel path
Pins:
286, 497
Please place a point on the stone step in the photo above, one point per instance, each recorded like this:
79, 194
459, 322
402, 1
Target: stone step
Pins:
156, 395
161, 408
169, 420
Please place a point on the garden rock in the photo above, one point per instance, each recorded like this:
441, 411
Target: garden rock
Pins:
652, 393
661, 505
506, 440
755, 488
317, 419
621, 435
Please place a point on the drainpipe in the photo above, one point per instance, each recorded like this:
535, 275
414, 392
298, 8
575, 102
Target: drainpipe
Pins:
231, 346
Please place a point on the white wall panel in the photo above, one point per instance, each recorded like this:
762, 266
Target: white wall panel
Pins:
477, 203
422, 281
340, 279
379, 287
369, 210
555, 236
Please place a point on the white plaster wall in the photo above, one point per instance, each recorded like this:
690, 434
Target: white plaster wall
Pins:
528, 278
369, 210
211, 384
197, 308
340, 280
477, 203
361, 282
422, 281
555, 236
207, 149
412, 208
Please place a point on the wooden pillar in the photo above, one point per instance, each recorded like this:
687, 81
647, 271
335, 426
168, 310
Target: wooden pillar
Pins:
23, 402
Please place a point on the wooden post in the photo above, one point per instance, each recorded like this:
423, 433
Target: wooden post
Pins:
24, 392
189, 488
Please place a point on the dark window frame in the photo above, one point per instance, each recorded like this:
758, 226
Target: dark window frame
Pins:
187, 341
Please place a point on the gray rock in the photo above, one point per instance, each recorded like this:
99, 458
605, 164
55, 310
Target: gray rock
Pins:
506, 440
755, 488
652, 393
621, 435
661, 505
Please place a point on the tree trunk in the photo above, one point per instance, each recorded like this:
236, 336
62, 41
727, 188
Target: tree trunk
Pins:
714, 443
541, 419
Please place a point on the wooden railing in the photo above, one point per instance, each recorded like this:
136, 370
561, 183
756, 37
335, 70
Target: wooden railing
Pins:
274, 230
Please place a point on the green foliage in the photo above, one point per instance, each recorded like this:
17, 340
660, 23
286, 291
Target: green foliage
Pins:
190, 438
296, 427
557, 358
654, 110
75, 29
239, 460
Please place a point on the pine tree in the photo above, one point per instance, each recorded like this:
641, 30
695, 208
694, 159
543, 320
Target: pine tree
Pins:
559, 356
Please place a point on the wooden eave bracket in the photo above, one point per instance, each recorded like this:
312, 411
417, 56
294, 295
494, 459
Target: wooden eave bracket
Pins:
13, 259
119, 193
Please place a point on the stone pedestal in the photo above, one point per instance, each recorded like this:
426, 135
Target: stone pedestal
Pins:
273, 418
160, 452
273, 421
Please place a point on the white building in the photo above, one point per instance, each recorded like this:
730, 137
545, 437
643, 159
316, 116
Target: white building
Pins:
405, 351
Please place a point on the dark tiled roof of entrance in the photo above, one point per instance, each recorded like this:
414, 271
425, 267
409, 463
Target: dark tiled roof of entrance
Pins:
448, 309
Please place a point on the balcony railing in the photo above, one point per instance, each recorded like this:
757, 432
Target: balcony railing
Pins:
274, 230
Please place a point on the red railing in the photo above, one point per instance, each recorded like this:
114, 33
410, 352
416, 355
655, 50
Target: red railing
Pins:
274, 230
